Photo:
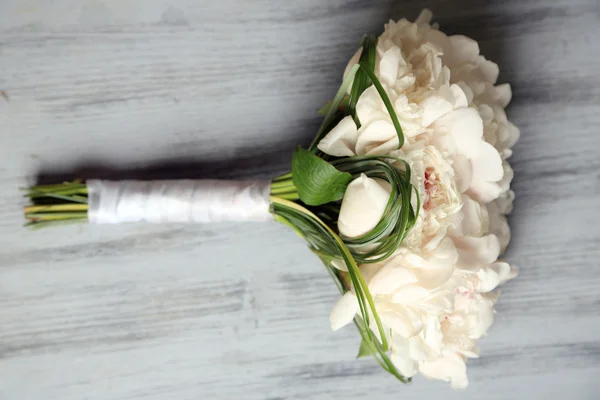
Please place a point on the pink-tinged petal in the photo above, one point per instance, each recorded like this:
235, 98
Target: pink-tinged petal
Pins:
477, 251
463, 172
377, 138
344, 311
341, 140
487, 165
483, 191
390, 278
389, 65
465, 126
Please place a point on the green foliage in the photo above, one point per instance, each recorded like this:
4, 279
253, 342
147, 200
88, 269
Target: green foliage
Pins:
317, 181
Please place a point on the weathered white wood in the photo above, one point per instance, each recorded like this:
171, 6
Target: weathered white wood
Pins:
190, 88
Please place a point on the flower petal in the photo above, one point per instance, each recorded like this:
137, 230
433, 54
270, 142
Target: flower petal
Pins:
477, 251
401, 356
433, 107
401, 321
390, 278
466, 127
409, 293
487, 165
344, 311
363, 206
463, 172
341, 140
377, 138
339, 264
464, 50
370, 107
390, 64
483, 191
451, 368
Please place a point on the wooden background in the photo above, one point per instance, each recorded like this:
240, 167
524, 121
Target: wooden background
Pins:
159, 88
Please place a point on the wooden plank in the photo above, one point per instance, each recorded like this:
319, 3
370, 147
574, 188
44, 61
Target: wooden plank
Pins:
157, 89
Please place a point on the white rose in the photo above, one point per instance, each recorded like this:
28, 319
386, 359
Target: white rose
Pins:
363, 206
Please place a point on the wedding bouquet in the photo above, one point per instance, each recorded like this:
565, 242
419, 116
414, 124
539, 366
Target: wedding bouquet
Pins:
402, 194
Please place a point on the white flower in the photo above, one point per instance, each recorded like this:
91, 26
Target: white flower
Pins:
363, 206
435, 295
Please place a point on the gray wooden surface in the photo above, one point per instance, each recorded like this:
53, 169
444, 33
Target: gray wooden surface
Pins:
161, 88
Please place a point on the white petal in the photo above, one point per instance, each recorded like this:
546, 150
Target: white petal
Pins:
480, 321
401, 358
390, 278
434, 107
466, 90
362, 207
341, 140
344, 311
339, 264
389, 65
487, 165
433, 278
451, 368
463, 172
401, 321
493, 275
370, 107
369, 271
470, 220
409, 294
466, 127
477, 251
483, 191
424, 17
464, 50
377, 138
502, 94
489, 70
460, 98
498, 225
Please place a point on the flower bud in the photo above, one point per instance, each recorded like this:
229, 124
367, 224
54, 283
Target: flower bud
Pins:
363, 206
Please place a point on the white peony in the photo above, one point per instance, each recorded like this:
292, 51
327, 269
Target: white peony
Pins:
435, 295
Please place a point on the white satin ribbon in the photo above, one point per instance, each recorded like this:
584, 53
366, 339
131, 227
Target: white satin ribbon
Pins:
201, 201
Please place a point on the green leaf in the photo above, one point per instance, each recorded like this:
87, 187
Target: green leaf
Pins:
362, 80
366, 68
343, 104
317, 181
366, 349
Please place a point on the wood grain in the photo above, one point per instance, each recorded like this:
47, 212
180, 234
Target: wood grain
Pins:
192, 89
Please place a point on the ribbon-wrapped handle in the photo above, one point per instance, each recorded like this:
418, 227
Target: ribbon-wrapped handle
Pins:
191, 201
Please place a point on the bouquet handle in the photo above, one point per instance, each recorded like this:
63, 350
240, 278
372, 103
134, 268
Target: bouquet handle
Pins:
178, 201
